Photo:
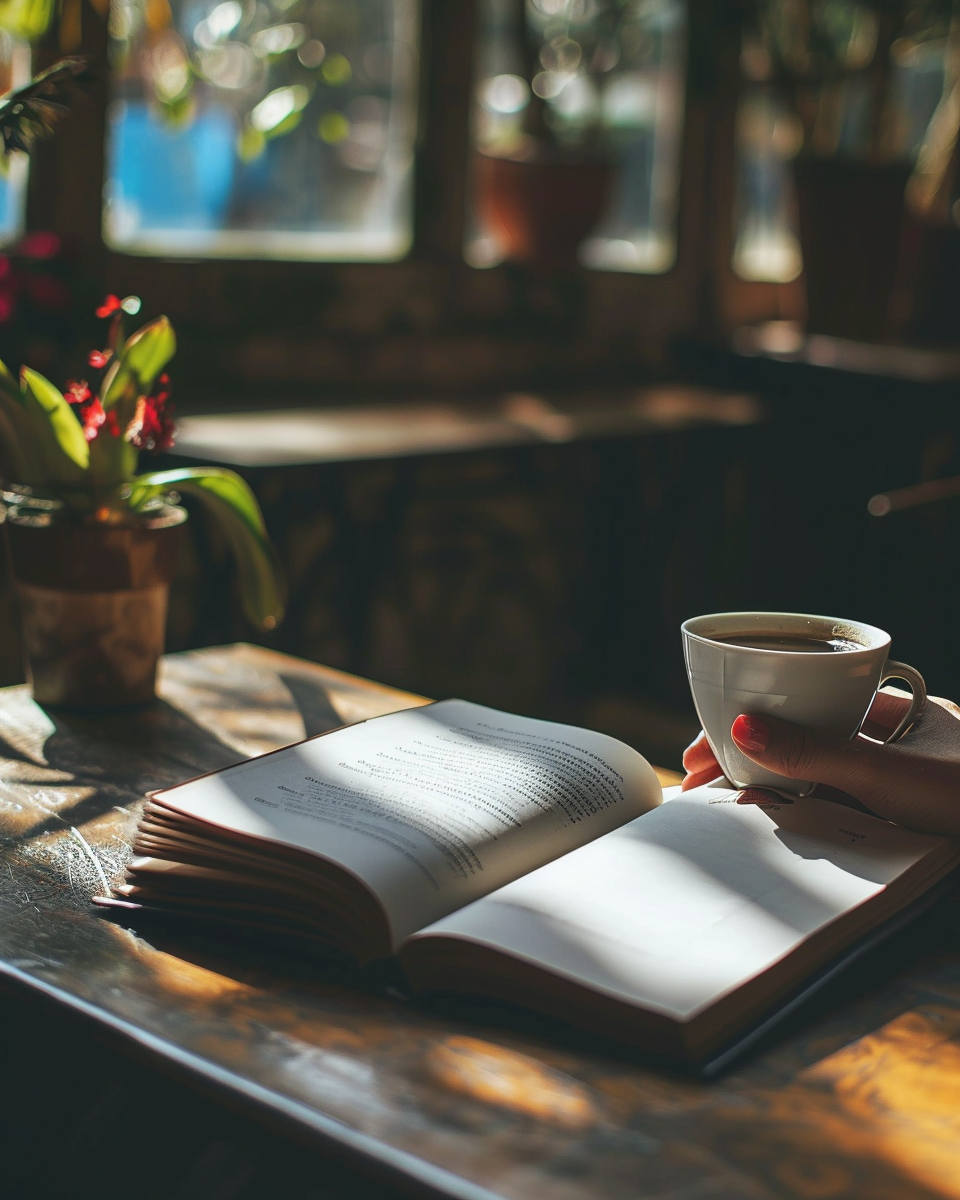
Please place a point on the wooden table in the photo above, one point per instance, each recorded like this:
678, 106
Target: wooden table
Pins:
860, 1098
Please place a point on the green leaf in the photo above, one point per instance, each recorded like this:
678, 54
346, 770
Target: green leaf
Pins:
55, 434
234, 507
8, 381
13, 464
18, 461
143, 356
60, 416
148, 351
135, 369
28, 19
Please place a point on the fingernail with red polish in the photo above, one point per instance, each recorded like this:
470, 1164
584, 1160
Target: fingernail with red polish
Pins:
750, 732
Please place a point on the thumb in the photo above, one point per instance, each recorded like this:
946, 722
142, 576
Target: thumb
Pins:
801, 753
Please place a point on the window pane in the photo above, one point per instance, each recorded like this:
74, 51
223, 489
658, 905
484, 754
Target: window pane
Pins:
607, 81
766, 245
267, 129
14, 72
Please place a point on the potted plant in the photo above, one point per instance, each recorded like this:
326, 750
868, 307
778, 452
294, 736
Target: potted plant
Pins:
930, 257
543, 181
93, 542
836, 64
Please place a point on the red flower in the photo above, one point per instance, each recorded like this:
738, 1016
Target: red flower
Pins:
109, 306
93, 418
152, 427
77, 392
99, 358
113, 424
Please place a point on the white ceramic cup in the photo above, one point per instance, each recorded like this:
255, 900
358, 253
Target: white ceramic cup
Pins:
828, 691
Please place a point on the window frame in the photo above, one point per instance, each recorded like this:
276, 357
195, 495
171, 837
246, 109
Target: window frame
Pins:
261, 332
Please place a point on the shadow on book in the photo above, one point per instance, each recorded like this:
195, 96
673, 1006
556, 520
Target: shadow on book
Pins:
280, 961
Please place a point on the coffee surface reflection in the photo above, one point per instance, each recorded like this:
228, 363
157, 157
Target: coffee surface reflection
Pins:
792, 643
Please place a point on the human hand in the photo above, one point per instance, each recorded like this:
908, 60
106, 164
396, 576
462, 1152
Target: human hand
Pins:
914, 781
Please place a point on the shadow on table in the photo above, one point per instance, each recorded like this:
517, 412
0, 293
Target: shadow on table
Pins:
312, 701
846, 1006
111, 756
107, 755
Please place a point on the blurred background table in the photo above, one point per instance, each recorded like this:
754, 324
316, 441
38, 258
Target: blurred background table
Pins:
181, 1067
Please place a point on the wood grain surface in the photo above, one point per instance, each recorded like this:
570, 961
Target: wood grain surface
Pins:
860, 1097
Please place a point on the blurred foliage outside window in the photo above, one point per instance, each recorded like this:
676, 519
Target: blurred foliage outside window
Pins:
608, 77
262, 128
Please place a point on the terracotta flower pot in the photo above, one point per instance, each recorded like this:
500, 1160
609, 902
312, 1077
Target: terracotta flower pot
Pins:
541, 208
93, 603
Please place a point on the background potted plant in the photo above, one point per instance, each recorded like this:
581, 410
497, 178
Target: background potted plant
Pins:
840, 65
930, 259
544, 178
93, 543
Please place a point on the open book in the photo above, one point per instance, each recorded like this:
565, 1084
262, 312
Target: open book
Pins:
534, 863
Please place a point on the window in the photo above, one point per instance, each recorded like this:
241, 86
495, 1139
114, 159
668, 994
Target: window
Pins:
285, 129
282, 129
293, 182
766, 246
610, 79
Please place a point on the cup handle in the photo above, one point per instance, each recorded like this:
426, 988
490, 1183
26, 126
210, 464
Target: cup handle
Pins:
899, 670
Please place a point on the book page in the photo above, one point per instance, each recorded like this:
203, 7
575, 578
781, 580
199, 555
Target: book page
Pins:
679, 907
432, 807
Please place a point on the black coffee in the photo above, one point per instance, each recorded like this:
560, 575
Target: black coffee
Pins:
793, 643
